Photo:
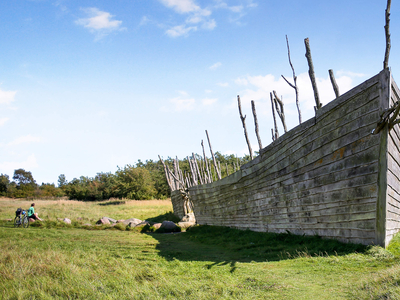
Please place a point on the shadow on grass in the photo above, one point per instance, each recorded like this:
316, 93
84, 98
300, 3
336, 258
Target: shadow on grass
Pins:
169, 216
114, 202
223, 245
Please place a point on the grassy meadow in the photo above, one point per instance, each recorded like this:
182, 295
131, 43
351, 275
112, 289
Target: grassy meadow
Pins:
52, 260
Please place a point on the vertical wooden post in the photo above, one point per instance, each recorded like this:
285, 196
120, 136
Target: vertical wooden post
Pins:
253, 108
294, 86
275, 133
312, 74
244, 128
206, 162
166, 174
387, 34
334, 84
279, 110
197, 169
213, 157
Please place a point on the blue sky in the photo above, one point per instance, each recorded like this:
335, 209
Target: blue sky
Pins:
86, 86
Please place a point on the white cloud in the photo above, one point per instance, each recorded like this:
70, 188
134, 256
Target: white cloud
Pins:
209, 25
24, 140
6, 97
196, 16
183, 104
3, 121
223, 84
183, 93
144, 21
181, 6
180, 30
236, 9
99, 22
209, 101
215, 66
28, 164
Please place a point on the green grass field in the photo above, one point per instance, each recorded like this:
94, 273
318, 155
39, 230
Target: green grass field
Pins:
55, 261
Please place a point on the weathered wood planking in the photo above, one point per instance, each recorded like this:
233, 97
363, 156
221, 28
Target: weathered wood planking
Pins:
328, 176
393, 174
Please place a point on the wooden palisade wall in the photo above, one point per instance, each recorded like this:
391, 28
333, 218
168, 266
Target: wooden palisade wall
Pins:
328, 176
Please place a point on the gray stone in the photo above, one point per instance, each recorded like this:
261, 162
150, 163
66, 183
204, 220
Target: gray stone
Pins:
132, 222
168, 225
103, 221
67, 221
157, 225
110, 219
143, 223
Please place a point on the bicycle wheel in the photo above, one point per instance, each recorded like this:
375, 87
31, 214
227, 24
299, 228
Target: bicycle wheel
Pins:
25, 222
17, 221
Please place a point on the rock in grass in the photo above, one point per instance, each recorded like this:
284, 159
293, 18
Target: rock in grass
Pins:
110, 219
67, 221
143, 223
103, 221
132, 222
157, 225
168, 225
120, 221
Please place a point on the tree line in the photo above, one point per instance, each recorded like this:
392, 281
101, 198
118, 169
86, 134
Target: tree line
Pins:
141, 181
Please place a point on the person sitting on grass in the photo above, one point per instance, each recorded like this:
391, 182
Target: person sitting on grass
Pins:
32, 214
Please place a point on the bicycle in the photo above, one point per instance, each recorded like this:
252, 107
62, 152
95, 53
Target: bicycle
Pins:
21, 219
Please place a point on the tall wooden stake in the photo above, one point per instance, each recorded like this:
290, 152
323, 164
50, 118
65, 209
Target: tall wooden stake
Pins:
206, 162
275, 133
213, 157
197, 169
244, 127
334, 84
387, 34
253, 108
166, 174
312, 74
279, 110
294, 86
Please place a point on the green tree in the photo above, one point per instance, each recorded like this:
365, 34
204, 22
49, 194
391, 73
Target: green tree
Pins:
26, 185
62, 180
4, 184
135, 183
50, 190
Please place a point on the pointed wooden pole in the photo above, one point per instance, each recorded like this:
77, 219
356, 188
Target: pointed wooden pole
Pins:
275, 131
294, 86
244, 127
213, 157
253, 108
312, 74
334, 84
387, 34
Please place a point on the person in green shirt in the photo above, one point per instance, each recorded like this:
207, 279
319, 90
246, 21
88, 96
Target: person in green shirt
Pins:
32, 214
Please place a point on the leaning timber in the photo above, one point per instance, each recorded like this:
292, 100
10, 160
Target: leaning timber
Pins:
334, 175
